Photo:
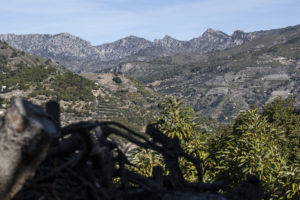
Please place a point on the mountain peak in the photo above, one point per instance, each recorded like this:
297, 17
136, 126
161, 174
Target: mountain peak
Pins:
238, 33
63, 33
239, 37
212, 32
133, 38
66, 35
167, 37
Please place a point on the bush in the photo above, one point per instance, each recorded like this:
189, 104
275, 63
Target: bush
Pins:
259, 144
2, 101
117, 79
14, 54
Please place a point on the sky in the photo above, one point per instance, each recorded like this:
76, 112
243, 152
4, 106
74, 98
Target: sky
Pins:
104, 21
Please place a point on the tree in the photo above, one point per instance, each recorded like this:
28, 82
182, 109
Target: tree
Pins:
1, 102
255, 146
117, 79
282, 114
177, 120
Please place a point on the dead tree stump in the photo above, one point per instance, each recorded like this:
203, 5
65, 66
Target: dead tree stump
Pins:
25, 136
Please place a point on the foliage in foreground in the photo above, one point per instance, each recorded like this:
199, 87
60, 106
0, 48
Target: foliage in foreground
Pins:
262, 143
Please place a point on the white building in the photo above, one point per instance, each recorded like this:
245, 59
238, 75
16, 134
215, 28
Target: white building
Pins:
3, 88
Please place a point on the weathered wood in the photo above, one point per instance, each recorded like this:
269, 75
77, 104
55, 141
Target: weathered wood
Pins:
24, 141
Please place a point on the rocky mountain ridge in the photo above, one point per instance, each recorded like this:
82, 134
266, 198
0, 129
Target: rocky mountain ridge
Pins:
80, 55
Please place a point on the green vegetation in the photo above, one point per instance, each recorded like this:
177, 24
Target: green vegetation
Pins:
262, 143
255, 146
24, 77
47, 81
65, 86
117, 79
72, 87
1, 102
3, 60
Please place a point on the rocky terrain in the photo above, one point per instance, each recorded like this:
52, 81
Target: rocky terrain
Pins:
97, 97
80, 55
221, 84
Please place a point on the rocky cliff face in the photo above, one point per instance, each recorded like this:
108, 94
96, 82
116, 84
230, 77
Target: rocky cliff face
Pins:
78, 54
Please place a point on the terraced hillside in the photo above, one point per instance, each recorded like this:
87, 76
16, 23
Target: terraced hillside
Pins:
221, 84
100, 98
124, 99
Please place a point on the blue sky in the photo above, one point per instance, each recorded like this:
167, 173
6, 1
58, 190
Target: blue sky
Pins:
102, 21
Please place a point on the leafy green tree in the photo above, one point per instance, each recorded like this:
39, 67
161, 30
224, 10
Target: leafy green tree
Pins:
282, 114
177, 120
117, 79
255, 147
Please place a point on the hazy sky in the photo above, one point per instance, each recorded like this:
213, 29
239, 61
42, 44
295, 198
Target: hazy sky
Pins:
102, 21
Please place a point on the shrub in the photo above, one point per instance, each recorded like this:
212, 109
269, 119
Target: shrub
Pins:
14, 54
117, 79
257, 145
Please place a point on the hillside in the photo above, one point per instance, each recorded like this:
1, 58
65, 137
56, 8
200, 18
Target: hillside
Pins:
100, 98
124, 99
80, 55
221, 84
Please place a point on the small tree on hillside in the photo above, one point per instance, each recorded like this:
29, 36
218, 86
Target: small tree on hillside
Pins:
117, 79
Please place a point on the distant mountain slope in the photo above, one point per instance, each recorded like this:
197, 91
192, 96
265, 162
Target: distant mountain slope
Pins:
100, 98
223, 83
122, 48
67, 49
77, 54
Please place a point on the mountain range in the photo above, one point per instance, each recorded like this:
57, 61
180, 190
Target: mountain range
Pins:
79, 55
